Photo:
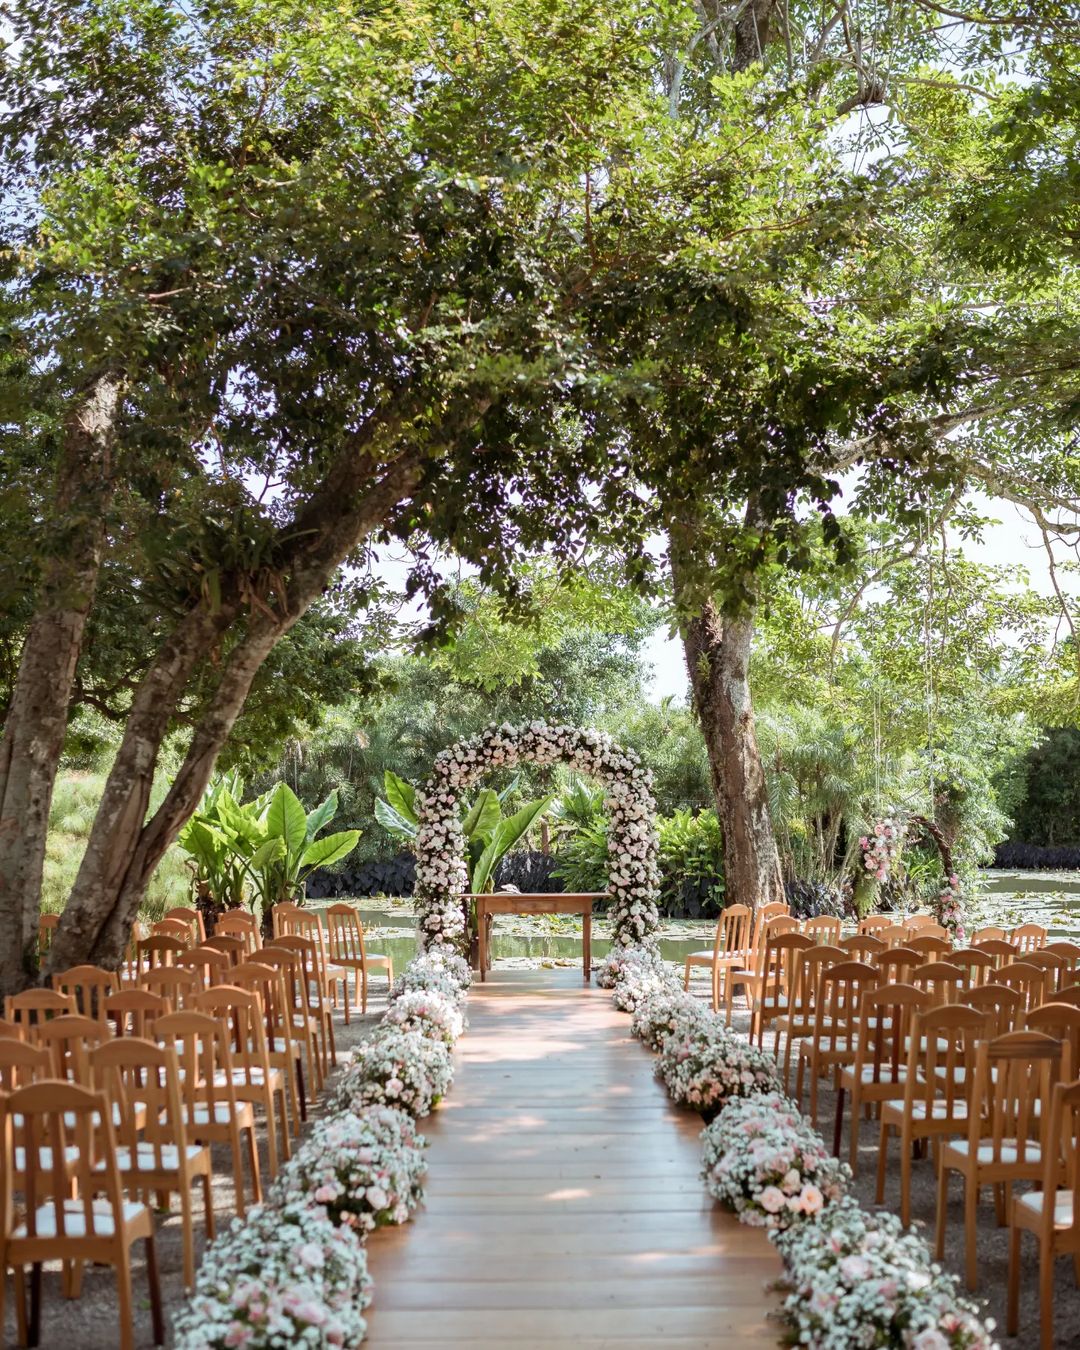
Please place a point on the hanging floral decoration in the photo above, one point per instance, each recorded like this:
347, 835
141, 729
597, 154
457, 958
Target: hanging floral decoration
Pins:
881, 849
441, 875
950, 909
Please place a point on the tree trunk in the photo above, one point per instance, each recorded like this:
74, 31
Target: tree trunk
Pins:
717, 650
37, 718
752, 33
124, 848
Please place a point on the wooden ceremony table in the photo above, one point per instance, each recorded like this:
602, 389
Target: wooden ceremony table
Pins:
511, 902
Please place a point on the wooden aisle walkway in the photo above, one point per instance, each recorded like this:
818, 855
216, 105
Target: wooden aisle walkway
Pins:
564, 1201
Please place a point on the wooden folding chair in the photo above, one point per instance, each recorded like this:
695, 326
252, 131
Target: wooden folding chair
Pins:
918, 923
1006, 1130
937, 1086
349, 950
34, 1006
832, 1043
280, 914
999, 949
10, 1030
881, 1055
1029, 937
47, 926
896, 935
1052, 1212
90, 986
159, 949
210, 1109
730, 948
153, 1153
133, 1012
231, 945
1068, 993
75, 1211
1069, 953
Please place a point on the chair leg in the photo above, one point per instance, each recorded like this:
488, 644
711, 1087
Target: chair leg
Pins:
253, 1158
35, 1305
283, 1121
882, 1159
853, 1150
838, 1128
19, 1285
971, 1216
999, 1203
1012, 1307
154, 1282
271, 1133
942, 1211
363, 992
1046, 1294
345, 995
686, 977
123, 1298
813, 1093
905, 1179
240, 1204
208, 1205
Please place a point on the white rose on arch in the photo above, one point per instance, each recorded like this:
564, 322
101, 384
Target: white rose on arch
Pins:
440, 870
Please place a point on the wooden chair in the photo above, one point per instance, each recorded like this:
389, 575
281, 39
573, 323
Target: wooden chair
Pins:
348, 950
1052, 1212
896, 935
1029, 937
174, 928
69, 1040
1052, 963
937, 1085
943, 981
1068, 951
285, 1052
825, 928
1002, 1007
142, 1083
177, 984
255, 1079
310, 999
731, 947
210, 1109
232, 945
918, 923
1062, 1021
22, 1062
211, 965
773, 994
307, 924
281, 914
991, 932
932, 947
34, 1006
975, 964
159, 949
751, 977
239, 923
875, 924
75, 1212
133, 1012
47, 926
1006, 1130
129, 965
1001, 951
1068, 993
193, 918
881, 1055
1030, 980
10, 1031
90, 986
302, 1028
896, 964
862, 946
832, 1043
795, 1018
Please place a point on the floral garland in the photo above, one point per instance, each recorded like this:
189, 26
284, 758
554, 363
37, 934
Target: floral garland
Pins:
881, 848
950, 910
441, 877
853, 1278
293, 1272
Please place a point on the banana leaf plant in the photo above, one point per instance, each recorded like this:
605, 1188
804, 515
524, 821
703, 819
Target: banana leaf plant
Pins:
219, 873
488, 833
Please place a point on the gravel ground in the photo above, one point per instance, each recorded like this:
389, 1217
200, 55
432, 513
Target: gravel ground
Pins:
992, 1241
90, 1322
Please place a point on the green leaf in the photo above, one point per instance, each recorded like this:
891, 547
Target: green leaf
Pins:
267, 854
485, 864
323, 852
401, 796
394, 821
513, 827
286, 818
483, 816
322, 815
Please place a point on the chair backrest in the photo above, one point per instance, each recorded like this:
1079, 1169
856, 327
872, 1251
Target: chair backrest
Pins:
179, 929
34, 1006
943, 981
998, 949
133, 1012
732, 930
1061, 1158
193, 918
1030, 980
274, 980
175, 983
778, 963
897, 963
823, 928
22, 1062
886, 1015
775, 909
1069, 950
875, 923
90, 986
281, 915
11, 1031
862, 946
1068, 993
1029, 937
306, 923
69, 1040
159, 949
239, 923
204, 1056
142, 1082
1062, 1021
307, 952
1002, 1007
1015, 1075
346, 932
916, 923
68, 1130
231, 944
838, 1000
896, 935
211, 966
774, 928
47, 926
130, 964
935, 948
240, 1011
990, 932
975, 964
1052, 963
941, 1059
807, 963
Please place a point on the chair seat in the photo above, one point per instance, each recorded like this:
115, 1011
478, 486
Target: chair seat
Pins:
253, 1077
1063, 1206
774, 1002
843, 1045
377, 959
886, 1075
147, 1160
102, 1219
1009, 1153
201, 1114
939, 1110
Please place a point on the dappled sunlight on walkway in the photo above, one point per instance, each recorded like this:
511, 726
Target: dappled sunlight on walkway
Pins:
564, 1201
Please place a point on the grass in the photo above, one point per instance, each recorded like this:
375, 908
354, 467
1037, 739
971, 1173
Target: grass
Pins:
74, 803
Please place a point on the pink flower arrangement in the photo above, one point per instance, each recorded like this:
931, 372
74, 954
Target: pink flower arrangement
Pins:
881, 849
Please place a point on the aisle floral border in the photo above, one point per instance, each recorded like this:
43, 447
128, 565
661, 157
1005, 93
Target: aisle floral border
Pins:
441, 876
293, 1271
852, 1278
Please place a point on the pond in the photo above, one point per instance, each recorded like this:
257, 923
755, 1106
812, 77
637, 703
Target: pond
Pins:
1006, 898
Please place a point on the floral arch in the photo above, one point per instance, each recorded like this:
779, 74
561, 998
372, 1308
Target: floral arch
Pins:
441, 875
